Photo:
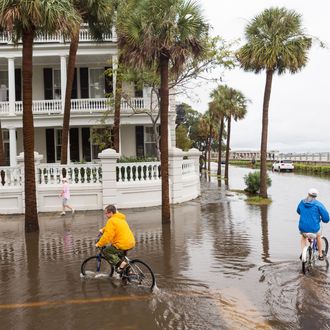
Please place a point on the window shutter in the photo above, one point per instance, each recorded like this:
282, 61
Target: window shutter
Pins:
84, 83
48, 83
139, 138
50, 145
18, 84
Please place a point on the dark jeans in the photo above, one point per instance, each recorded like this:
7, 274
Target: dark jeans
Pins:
113, 254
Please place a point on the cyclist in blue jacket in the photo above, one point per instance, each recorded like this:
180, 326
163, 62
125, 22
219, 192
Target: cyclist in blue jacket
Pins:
312, 212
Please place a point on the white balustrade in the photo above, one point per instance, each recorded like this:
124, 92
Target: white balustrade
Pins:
91, 105
188, 167
11, 176
54, 107
84, 35
138, 172
136, 103
52, 174
4, 108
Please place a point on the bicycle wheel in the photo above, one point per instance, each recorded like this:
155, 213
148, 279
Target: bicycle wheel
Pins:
307, 261
140, 274
325, 246
96, 266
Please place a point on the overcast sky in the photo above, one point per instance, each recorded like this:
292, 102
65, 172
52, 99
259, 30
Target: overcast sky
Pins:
299, 110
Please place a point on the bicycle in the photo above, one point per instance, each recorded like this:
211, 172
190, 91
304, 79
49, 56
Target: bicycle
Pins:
310, 252
136, 271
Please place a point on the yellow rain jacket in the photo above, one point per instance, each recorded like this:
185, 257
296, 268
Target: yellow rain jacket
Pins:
117, 233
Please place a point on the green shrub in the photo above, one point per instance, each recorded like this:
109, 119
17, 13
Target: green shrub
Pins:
133, 159
252, 181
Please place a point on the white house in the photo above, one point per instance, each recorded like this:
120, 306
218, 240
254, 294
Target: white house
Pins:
94, 184
89, 103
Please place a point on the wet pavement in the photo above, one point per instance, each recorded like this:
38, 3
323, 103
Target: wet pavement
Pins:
221, 264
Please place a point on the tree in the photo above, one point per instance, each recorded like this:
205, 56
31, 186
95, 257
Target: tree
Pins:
219, 95
190, 118
24, 19
182, 139
276, 42
98, 14
236, 109
166, 33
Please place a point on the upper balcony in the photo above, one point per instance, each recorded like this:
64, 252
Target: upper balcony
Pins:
81, 106
84, 36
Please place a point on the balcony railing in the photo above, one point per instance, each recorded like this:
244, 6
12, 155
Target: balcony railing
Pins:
55, 107
84, 36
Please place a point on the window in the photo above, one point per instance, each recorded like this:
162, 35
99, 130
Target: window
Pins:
96, 83
3, 86
149, 142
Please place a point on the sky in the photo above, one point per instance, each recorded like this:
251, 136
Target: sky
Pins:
299, 110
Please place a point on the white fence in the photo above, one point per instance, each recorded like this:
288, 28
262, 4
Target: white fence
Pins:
93, 186
306, 157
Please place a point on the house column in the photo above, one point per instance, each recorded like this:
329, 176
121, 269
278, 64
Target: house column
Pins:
11, 85
108, 159
63, 80
12, 147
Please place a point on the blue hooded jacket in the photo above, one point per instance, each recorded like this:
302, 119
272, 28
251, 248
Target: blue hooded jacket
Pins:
311, 213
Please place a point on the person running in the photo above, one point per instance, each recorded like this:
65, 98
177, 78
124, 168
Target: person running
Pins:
65, 194
312, 212
116, 238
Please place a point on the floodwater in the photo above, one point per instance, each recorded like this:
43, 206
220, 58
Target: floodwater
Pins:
221, 264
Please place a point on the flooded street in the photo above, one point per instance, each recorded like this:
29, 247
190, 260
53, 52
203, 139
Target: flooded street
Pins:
221, 264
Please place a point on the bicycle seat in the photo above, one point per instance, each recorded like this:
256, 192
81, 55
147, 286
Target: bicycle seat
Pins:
309, 235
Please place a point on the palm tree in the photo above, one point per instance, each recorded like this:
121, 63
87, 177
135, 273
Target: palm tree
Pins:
218, 96
276, 42
98, 14
236, 109
24, 19
167, 33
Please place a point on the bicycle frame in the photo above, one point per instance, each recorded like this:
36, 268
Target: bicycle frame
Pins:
311, 237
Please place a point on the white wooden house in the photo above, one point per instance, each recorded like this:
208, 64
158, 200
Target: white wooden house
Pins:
94, 183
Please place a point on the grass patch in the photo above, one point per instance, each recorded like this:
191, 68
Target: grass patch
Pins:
257, 200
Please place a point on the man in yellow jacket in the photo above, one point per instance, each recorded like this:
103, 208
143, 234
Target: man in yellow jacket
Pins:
116, 237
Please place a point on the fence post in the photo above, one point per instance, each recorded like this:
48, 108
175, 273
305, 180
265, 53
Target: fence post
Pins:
175, 174
194, 154
108, 159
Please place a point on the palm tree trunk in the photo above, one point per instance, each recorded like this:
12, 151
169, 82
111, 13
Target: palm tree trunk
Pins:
164, 103
2, 153
67, 105
116, 119
227, 148
209, 155
31, 213
264, 135
220, 146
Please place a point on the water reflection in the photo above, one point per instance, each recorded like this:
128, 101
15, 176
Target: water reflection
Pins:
264, 231
220, 264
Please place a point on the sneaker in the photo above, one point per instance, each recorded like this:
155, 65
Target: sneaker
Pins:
321, 258
73, 211
119, 270
63, 213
